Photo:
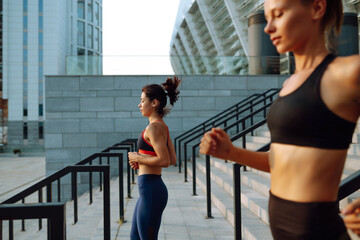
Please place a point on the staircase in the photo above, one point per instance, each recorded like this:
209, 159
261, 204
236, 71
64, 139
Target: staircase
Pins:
255, 186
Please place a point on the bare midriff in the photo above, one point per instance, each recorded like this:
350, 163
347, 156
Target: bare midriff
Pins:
305, 174
144, 169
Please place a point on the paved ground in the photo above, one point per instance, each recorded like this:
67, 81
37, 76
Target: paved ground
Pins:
183, 218
17, 173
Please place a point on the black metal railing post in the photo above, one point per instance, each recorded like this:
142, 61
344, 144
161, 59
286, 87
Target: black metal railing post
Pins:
100, 174
128, 170
90, 185
106, 204
59, 190
57, 222
11, 230
40, 195
179, 155
121, 190
23, 220
49, 193
194, 169
208, 187
74, 194
185, 163
237, 201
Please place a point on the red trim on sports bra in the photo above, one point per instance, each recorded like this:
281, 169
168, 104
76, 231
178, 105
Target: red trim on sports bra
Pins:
142, 135
147, 152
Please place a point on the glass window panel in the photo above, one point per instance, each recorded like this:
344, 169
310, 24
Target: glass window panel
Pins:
25, 74
41, 6
90, 36
80, 52
90, 10
81, 9
97, 14
41, 56
25, 22
41, 39
96, 37
25, 55
41, 72
25, 127
41, 22
81, 33
25, 4
41, 126
25, 40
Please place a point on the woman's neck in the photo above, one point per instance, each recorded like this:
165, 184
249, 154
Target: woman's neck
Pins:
154, 118
310, 54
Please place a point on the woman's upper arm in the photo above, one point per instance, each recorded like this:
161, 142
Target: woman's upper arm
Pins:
171, 152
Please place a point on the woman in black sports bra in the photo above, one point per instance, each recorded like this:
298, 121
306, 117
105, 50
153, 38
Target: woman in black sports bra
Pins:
156, 151
311, 124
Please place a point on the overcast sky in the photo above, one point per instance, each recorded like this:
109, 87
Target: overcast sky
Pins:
136, 36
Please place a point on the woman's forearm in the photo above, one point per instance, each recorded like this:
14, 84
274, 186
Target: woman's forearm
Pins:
258, 160
152, 161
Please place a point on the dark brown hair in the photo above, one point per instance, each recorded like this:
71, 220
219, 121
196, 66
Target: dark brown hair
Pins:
160, 93
331, 22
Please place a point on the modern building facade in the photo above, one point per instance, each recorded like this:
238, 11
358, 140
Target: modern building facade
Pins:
37, 36
226, 37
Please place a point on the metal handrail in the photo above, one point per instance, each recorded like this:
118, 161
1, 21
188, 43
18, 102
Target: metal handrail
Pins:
233, 138
128, 144
133, 144
349, 185
56, 176
108, 155
54, 212
207, 125
128, 168
211, 122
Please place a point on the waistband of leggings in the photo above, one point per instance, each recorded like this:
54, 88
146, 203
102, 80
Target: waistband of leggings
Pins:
150, 176
321, 205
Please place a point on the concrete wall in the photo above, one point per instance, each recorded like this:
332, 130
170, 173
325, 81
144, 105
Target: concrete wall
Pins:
85, 114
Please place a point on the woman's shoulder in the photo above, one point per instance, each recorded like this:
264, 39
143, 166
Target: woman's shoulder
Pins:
156, 127
347, 66
346, 70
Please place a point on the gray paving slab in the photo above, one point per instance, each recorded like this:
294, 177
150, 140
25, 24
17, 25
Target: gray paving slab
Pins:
18, 173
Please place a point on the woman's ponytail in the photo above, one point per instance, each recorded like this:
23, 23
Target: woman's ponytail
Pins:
170, 86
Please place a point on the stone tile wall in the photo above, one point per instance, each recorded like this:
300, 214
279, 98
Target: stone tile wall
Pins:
85, 114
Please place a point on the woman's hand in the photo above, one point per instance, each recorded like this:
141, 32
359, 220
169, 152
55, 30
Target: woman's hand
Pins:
216, 143
133, 160
352, 216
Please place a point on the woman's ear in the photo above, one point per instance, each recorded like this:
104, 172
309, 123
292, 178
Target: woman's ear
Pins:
318, 9
155, 103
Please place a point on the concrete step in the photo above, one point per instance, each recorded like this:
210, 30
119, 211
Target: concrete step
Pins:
253, 227
259, 183
250, 198
352, 162
257, 139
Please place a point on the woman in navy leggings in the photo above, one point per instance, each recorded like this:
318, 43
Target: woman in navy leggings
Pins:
156, 151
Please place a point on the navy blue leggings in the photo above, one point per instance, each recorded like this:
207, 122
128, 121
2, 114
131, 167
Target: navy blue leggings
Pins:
152, 200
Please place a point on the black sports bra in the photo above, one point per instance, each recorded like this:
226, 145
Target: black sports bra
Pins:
145, 147
302, 118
